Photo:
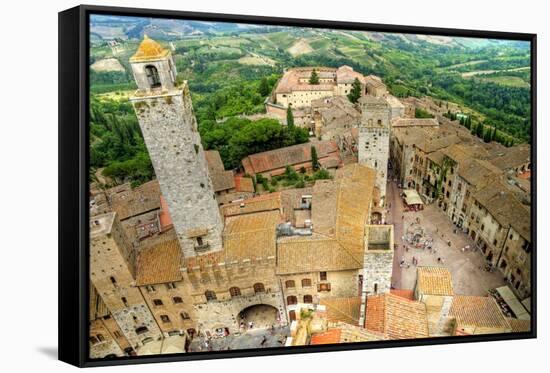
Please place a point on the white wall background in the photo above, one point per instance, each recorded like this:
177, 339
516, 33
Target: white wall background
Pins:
28, 187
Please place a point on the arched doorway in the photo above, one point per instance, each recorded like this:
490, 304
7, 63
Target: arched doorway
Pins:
262, 316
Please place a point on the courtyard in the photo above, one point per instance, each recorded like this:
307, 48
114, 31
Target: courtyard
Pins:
450, 248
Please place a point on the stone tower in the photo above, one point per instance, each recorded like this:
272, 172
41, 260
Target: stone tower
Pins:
377, 263
169, 127
374, 138
112, 272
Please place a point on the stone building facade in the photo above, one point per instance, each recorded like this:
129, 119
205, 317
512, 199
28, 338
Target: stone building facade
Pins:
374, 138
112, 273
165, 115
474, 183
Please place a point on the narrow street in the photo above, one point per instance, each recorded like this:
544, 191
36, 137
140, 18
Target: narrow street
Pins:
394, 216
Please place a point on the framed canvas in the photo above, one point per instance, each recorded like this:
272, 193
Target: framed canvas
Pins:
236, 186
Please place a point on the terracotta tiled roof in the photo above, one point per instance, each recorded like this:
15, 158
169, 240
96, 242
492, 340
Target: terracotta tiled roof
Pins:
346, 74
372, 100
244, 184
164, 215
478, 173
308, 254
354, 333
132, 202
149, 50
159, 264
223, 180
403, 293
266, 202
512, 157
505, 208
434, 281
290, 81
374, 81
355, 191
519, 326
345, 310
331, 336
414, 122
291, 155
214, 161
251, 236
338, 243
440, 141
477, 311
396, 317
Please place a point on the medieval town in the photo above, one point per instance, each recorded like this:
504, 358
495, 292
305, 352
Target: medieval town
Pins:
419, 229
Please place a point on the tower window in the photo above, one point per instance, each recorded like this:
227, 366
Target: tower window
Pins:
235, 292
152, 76
259, 288
177, 300
165, 319
210, 295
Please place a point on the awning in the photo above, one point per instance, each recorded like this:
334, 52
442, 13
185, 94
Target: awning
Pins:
412, 197
512, 301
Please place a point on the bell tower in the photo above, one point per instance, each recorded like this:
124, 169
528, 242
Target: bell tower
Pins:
165, 114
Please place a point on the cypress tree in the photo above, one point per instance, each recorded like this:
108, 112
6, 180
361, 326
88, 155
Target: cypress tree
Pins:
314, 159
264, 87
355, 92
314, 78
289, 117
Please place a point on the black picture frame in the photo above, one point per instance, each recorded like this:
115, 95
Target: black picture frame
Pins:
73, 149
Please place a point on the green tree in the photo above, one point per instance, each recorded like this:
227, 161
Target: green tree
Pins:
263, 89
355, 91
314, 78
314, 159
473, 128
289, 117
480, 130
321, 174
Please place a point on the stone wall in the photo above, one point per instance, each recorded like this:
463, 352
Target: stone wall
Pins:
378, 259
173, 142
223, 311
112, 271
181, 315
133, 320
515, 263
374, 142
102, 343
